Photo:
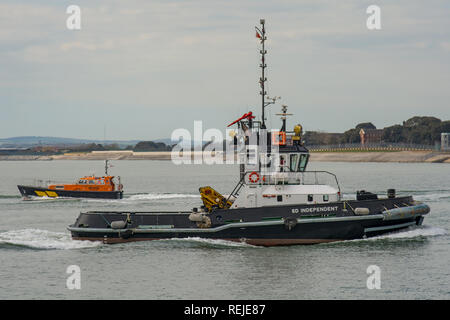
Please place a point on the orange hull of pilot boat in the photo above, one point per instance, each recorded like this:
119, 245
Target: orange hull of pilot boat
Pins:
87, 187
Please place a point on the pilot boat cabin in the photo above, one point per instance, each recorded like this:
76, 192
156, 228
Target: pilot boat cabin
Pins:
86, 187
90, 183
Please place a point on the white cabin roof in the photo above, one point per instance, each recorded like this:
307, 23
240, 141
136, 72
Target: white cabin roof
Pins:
299, 189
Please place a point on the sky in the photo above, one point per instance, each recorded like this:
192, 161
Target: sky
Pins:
141, 69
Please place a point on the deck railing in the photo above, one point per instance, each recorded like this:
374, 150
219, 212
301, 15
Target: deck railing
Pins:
286, 178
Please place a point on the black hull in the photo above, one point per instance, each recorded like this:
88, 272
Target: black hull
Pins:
275, 235
266, 226
30, 191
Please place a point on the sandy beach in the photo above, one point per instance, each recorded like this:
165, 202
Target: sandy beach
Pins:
398, 156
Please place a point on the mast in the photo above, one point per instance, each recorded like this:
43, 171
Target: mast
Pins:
106, 167
261, 34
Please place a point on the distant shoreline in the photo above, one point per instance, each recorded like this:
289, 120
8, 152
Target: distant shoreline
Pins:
381, 156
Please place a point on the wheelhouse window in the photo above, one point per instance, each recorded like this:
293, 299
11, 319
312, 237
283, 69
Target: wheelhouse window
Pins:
294, 162
303, 162
326, 197
298, 162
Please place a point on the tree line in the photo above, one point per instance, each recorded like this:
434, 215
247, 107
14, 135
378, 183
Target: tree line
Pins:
416, 130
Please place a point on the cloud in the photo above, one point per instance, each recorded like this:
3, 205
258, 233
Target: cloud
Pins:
136, 60
445, 45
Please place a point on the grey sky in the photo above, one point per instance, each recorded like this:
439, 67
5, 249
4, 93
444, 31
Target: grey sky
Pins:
145, 68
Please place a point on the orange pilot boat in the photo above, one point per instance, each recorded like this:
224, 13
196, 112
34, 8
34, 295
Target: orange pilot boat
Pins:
87, 187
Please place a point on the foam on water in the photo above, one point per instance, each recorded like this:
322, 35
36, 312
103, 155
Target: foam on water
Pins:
39, 199
214, 242
132, 197
439, 196
422, 196
407, 234
161, 196
48, 199
145, 197
410, 233
43, 239
413, 232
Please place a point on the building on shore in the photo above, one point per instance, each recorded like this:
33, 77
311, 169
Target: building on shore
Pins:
445, 141
371, 136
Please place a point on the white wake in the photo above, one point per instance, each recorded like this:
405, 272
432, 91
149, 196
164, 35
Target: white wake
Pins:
43, 239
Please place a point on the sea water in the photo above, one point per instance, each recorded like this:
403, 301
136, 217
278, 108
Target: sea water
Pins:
37, 252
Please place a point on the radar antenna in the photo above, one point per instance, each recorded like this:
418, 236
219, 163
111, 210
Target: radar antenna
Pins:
283, 115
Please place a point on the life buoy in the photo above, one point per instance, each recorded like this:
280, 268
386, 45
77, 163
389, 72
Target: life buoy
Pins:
253, 180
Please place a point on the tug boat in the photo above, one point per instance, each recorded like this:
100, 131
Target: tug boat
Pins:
276, 201
86, 187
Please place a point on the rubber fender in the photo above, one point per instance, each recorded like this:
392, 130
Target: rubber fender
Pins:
205, 223
362, 211
118, 224
196, 217
406, 212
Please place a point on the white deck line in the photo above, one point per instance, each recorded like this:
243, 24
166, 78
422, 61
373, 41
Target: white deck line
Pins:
228, 226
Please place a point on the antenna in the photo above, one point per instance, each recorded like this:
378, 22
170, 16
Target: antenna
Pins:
106, 167
261, 34
283, 115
